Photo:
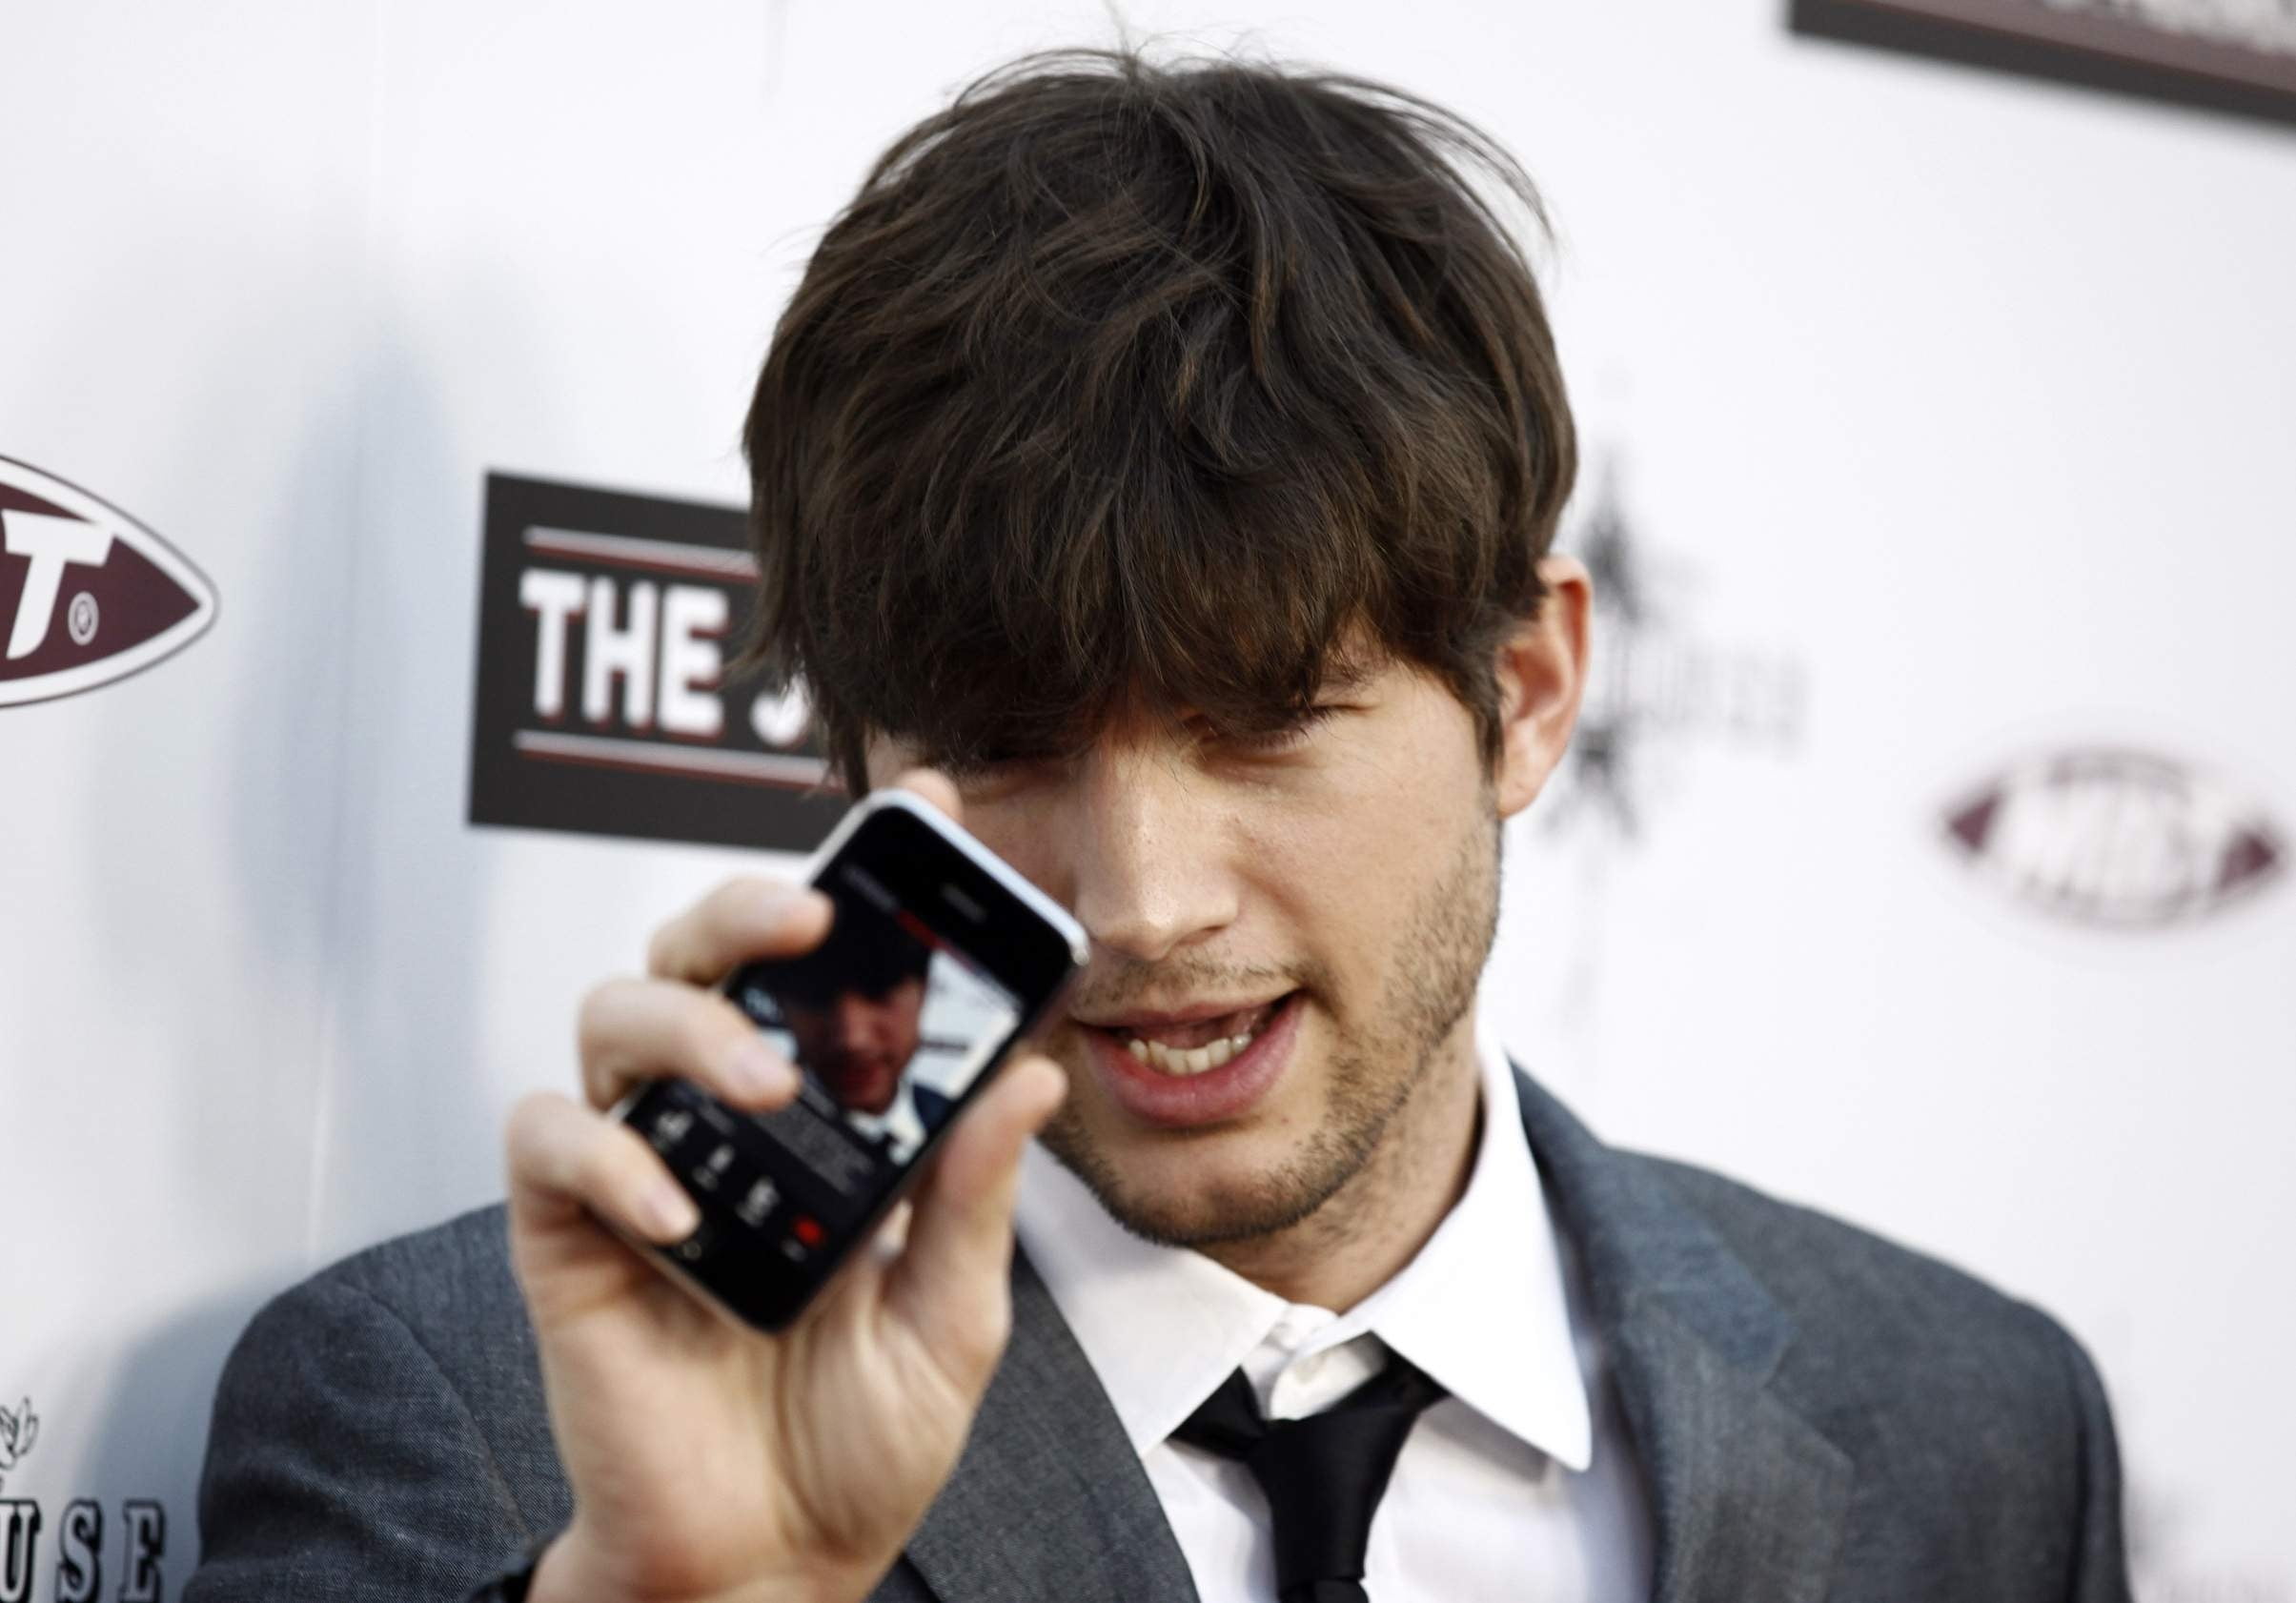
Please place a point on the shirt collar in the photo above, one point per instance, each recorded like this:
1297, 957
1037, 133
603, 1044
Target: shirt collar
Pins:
1481, 1307
899, 1119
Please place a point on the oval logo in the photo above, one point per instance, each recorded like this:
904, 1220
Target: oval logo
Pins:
2117, 838
87, 595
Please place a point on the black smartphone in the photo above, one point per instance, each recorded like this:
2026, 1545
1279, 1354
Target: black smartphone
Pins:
938, 958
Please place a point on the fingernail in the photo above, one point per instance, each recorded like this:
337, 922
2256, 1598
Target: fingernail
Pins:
755, 1071
669, 1210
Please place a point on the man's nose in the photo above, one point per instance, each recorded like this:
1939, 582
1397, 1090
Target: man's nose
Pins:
1147, 840
851, 1022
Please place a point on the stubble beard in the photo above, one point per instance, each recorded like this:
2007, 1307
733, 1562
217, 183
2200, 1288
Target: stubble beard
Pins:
1434, 966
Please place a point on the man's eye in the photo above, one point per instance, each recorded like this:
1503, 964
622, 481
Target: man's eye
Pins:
988, 764
1284, 736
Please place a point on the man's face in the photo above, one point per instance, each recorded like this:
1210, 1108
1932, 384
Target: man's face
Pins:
858, 1045
1332, 899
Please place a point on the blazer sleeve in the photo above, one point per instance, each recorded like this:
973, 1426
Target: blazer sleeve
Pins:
2100, 1555
342, 1466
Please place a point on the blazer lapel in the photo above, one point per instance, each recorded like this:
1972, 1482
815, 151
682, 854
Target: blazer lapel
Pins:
1048, 1499
1748, 1497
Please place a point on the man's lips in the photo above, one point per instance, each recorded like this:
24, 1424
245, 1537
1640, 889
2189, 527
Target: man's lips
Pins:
1207, 1096
861, 1082
1194, 1012
1198, 1024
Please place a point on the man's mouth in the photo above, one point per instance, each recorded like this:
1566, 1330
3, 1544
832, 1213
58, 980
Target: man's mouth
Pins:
1200, 1044
863, 1081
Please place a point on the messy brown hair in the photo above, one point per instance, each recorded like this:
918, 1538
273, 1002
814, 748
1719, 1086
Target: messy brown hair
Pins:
1124, 385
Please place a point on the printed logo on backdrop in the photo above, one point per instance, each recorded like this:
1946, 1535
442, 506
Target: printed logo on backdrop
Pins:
140, 1544
2230, 55
2115, 837
19, 1430
606, 624
1657, 687
87, 595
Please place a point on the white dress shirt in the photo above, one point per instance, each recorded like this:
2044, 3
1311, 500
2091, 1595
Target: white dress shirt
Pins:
899, 1121
1520, 1484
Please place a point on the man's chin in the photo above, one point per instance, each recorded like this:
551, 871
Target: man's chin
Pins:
1197, 1195
866, 1092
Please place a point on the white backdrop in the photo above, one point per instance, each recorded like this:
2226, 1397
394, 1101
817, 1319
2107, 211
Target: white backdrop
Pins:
1957, 409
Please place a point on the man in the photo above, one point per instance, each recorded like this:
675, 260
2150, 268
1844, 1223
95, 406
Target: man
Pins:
859, 1044
853, 1006
1171, 456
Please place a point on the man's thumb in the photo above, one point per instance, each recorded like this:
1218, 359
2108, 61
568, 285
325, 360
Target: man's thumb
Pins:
949, 1283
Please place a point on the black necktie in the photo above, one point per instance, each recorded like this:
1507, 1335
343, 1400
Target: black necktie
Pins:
1323, 1474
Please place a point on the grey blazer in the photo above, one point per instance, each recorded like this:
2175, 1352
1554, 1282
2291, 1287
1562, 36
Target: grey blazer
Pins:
1817, 1414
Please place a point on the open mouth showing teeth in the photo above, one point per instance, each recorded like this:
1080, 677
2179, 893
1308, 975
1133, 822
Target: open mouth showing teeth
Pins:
1181, 1051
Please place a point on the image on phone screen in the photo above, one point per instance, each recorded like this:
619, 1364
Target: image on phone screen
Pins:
888, 1026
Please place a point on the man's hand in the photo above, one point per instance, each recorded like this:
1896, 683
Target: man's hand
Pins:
711, 1463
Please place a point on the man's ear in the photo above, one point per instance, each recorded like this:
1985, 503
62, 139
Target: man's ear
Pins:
1543, 677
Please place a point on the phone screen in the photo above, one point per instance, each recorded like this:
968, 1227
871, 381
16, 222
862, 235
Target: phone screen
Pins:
932, 966
888, 1026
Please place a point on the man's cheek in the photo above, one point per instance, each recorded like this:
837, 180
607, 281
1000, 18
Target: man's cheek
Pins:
1024, 835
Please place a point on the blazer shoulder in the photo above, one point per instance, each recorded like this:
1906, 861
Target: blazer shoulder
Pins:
1982, 1431
381, 1424
454, 1273
1884, 1330
1828, 1273
446, 1292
